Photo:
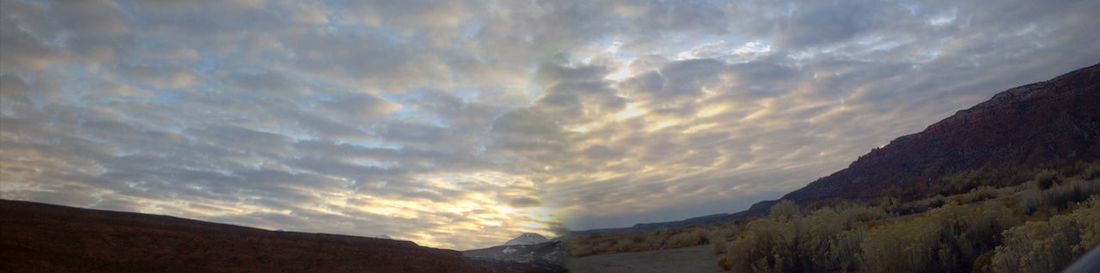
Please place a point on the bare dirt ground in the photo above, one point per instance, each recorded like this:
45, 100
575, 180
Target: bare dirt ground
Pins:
699, 259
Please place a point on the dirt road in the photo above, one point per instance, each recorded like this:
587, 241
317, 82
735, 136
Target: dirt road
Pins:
700, 259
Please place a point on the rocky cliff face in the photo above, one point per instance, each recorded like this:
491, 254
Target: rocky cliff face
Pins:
46, 238
1034, 125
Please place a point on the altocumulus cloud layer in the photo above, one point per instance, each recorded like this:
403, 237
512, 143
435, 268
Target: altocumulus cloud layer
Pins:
462, 123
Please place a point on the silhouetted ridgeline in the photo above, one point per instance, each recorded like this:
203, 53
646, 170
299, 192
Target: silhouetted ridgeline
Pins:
48, 238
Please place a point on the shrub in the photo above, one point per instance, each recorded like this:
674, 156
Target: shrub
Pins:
1031, 201
686, 239
918, 206
984, 263
1046, 179
977, 194
825, 240
965, 181
578, 250
900, 247
830, 238
1092, 171
766, 245
720, 247
785, 210
1074, 191
858, 214
1051, 245
947, 240
718, 239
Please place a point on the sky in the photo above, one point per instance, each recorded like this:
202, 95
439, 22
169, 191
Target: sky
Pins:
461, 124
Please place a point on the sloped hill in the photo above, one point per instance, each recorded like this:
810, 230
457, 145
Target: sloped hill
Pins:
1035, 125
38, 237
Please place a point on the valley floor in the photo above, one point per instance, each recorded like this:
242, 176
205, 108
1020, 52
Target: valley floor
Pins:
699, 259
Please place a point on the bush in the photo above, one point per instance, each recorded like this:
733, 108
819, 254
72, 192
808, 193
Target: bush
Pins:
1058, 197
900, 247
1061, 196
578, 250
785, 210
766, 245
1092, 171
1051, 245
830, 238
1032, 201
640, 241
686, 239
947, 240
977, 194
719, 239
826, 240
918, 206
720, 247
966, 181
984, 263
1046, 179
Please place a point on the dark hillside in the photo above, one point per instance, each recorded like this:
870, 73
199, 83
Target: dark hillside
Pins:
1036, 125
1039, 125
38, 237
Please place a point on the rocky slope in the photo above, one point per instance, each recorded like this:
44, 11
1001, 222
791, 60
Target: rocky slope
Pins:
1035, 125
47, 238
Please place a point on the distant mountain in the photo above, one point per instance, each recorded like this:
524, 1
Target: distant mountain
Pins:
529, 249
547, 256
527, 239
701, 220
1036, 125
37, 237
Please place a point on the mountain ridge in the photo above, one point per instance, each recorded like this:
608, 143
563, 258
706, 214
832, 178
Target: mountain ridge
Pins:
1036, 124
527, 239
1059, 119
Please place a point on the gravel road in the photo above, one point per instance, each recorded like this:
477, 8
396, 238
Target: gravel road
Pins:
700, 259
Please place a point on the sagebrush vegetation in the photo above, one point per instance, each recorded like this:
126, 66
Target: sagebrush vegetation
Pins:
978, 221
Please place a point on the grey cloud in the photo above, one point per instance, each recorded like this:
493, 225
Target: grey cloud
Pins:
159, 77
21, 47
15, 89
378, 117
374, 58
267, 82
360, 107
524, 202
819, 23
529, 131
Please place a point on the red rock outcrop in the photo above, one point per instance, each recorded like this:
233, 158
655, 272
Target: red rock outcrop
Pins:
1035, 125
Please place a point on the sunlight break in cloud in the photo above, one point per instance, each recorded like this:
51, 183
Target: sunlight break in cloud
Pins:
460, 124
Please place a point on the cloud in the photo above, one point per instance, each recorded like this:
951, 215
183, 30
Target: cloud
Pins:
460, 124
